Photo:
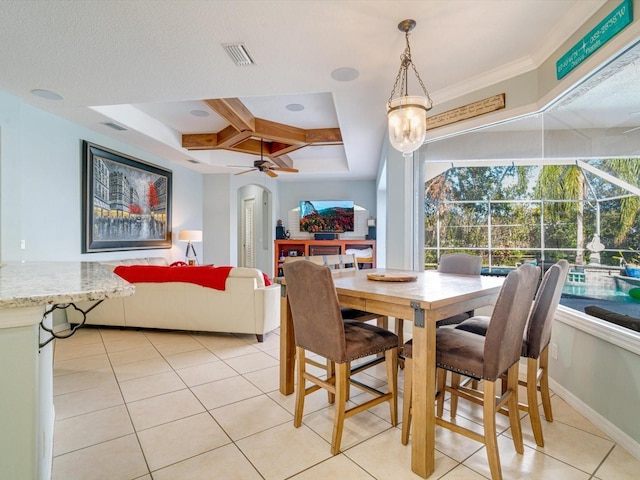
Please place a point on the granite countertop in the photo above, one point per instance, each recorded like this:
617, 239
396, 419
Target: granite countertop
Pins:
31, 284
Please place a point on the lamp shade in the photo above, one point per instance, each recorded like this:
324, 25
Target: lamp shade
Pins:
408, 122
190, 236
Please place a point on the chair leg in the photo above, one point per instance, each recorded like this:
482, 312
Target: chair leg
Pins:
544, 384
441, 378
382, 322
331, 372
400, 332
342, 385
490, 437
391, 360
455, 383
406, 401
512, 405
532, 400
300, 388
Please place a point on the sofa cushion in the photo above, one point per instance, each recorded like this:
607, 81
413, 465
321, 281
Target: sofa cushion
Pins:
112, 264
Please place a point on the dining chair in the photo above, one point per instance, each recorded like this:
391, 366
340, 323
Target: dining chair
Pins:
319, 328
535, 346
339, 263
484, 358
460, 264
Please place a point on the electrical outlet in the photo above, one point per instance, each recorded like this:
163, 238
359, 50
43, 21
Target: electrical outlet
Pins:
23, 244
554, 351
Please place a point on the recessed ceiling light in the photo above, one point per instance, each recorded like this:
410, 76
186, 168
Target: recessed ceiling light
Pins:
48, 94
294, 107
345, 74
199, 113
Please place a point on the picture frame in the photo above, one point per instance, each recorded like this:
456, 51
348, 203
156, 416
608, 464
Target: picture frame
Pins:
126, 202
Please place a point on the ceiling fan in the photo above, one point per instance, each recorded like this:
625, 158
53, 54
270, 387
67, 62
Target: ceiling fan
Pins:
265, 166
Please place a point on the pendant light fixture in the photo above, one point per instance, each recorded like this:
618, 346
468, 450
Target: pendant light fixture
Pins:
407, 114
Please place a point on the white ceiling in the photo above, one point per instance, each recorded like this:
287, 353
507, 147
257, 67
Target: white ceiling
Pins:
146, 64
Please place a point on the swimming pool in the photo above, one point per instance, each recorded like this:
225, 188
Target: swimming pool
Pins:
605, 288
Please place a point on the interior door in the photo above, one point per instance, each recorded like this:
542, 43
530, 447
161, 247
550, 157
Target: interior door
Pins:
248, 234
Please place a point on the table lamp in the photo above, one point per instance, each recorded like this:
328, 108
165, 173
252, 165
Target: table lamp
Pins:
190, 236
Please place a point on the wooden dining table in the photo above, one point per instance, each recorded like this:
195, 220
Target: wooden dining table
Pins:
431, 296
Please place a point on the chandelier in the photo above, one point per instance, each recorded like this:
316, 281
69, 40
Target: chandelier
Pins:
407, 114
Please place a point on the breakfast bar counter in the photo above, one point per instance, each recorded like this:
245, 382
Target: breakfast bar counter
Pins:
28, 290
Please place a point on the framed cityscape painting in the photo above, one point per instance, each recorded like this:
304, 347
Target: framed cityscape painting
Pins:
126, 202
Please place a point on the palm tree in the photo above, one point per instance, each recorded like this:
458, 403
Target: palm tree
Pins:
628, 170
562, 182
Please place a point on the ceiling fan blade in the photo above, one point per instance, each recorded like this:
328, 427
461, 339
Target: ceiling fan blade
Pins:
246, 171
270, 173
283, 169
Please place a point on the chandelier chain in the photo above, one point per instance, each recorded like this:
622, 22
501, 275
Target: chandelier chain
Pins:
405, 61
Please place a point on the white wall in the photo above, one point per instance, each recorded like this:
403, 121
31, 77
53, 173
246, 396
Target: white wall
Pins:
40, 175
597, 370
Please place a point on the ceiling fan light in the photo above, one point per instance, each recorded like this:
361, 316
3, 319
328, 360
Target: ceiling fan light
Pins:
407, 117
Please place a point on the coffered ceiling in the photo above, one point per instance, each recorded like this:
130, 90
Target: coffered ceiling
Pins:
159, 70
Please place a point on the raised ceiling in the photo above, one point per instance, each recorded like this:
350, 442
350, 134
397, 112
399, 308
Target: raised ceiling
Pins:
146, 65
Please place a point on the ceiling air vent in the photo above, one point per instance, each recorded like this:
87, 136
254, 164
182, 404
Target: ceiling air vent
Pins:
115, 126
239, 54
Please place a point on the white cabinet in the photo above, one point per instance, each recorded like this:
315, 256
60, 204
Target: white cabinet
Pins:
26, 396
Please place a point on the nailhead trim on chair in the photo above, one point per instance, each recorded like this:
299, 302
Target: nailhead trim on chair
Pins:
462, 372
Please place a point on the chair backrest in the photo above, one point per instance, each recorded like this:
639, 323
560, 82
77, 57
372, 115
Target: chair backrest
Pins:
460, 263
337, 262
503, 343
317, 321
538, 331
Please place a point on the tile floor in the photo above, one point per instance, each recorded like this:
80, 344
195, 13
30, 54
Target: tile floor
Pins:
164, 405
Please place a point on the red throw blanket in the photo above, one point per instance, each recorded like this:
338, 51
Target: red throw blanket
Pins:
206, 276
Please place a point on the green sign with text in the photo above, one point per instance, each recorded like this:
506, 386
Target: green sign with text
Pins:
608, 28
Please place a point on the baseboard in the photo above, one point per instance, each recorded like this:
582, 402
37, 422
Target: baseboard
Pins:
617, 435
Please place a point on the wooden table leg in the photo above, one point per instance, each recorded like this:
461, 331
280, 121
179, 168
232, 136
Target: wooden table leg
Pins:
424, 373
287, 346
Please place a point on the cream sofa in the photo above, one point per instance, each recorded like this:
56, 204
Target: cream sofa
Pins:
245, 306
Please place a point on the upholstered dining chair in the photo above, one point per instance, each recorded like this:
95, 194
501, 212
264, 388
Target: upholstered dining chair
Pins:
484, 358
461, 264
457, 263
535, 346
319, 328
339, 263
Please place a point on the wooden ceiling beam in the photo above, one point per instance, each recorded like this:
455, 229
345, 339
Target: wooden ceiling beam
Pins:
200, 141
250, 146
324, 135
229, 137
278, 149
234, 112
279, 132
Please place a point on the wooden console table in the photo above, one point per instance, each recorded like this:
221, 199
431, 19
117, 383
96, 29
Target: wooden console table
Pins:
304, 248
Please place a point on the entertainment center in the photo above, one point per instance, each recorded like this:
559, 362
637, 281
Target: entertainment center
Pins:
301, 247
